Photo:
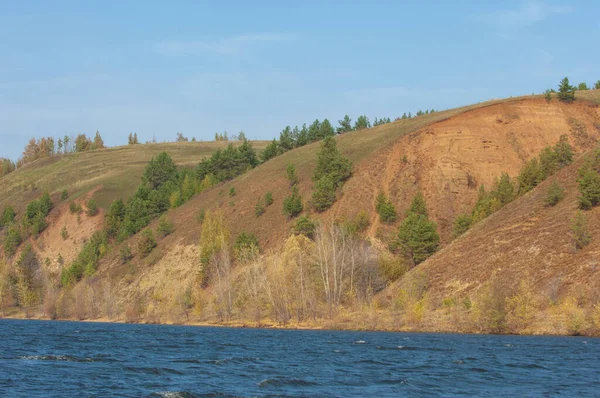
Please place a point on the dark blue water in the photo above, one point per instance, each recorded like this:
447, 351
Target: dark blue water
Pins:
85, 359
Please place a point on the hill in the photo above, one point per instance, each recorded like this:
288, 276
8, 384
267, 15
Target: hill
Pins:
445, 155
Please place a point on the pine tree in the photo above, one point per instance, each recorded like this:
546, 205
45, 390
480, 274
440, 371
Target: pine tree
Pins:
98, 142
554, 194
362, 123
462, 224
345, 125
581, 236
566, 92
292, 205
417, 234
324, 195
331, 162
418, 205
291, 174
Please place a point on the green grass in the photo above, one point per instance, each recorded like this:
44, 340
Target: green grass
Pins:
116, 170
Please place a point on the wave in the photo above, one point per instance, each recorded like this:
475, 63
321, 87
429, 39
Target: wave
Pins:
283, 381
236, 360
54, 358
154, 371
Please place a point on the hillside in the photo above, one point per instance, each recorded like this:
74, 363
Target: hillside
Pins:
115, 170
445, 155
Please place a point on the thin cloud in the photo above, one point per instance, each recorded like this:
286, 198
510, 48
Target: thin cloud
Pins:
226, 46
530, 13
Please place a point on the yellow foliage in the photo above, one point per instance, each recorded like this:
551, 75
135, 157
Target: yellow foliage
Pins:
596, 315
214, 235
520, 308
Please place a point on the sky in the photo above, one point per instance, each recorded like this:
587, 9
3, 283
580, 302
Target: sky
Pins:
197, 67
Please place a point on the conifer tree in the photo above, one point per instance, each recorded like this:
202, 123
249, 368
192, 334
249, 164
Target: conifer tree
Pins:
345, 125
566, 92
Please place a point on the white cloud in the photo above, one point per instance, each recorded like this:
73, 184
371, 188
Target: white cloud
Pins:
225, 46
529, 13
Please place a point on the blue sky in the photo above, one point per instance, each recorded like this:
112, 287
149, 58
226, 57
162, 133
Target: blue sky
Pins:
157, 68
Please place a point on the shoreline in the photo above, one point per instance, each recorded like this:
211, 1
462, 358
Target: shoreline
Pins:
292, 327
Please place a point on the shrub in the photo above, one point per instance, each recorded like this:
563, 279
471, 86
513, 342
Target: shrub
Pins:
92, 208
292, 205
64, 195
392, 267
548, 95
324, 195
462, 224
418, 206
45, 204
165, 226
87, 259
246, 246
359, 223
232, 192
74, 208
579, 230
554, 194
385, 209
146, 243
175, 199
504, 190
64, 233
305, 226
291, 174
259, 208
125, 254
268, 199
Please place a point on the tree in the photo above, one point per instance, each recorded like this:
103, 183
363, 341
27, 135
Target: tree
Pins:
246, 246
305, 226
418, 236
530, 176
270, 151
45, 204
331, 162
259, 208
462, 224
247, 155
98, 142
313, 131
291, 174
385, 209
326, 130
345, 125
504, 189
566, 92
31, 152
82, 143
268, 199
324, 195
147, 243
418, 205
165, 226
597, 85
7, 217
548, 95
362, 123
6, 166
12, 240
581, 236
286, 141
60, 145
181, 138
589, 188
554, 194
159, 170
582, 86
92, 208
563, 151
114, 217
66, 142
292, 205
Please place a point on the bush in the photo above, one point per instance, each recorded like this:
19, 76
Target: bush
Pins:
305, 226
64, 233
64, 195
268, 199
75, 208
579, 230
125, 254
292, 205
462, 224
385, 209
45, 204
554, 194
147, 243
92, 208
165, 226
324, 195
359, 223
87, 259
232, 192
